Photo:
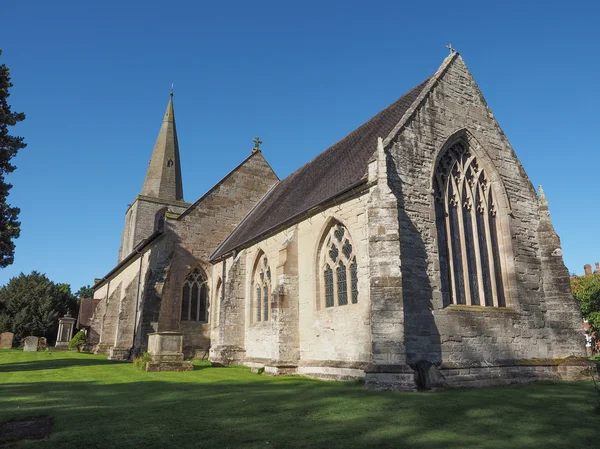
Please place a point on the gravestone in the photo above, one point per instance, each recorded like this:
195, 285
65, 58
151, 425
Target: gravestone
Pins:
65, 330
42, 344
30, 344
6, 340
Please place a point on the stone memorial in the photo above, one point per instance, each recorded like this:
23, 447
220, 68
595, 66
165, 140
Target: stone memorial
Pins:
6, 340
166, 350
65, 330
30, 344
42, 344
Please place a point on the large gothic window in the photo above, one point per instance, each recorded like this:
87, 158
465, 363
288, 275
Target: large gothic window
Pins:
194, 297
262, 289
467, 229
339, 274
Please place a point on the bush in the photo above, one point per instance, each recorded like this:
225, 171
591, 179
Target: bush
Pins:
78, 341
141, 361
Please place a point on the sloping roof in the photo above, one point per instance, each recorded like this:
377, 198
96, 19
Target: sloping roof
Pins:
333, 172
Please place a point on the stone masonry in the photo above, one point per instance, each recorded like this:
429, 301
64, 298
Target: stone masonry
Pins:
399, 333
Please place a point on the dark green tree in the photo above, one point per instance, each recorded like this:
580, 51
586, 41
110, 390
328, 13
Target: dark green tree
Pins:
586, 290
32, 304
85, 292
10, 227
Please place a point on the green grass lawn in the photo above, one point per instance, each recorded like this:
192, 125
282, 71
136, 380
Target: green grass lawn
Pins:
96, 403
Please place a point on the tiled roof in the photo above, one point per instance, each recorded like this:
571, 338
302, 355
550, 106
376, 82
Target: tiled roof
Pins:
337, 169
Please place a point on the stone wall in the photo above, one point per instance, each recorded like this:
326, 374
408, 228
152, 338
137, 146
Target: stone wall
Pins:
140, 220
144, 295
300, 333
540, 312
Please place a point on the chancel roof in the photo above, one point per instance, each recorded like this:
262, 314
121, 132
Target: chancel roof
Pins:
335, 171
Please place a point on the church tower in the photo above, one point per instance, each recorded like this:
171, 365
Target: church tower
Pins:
162, 190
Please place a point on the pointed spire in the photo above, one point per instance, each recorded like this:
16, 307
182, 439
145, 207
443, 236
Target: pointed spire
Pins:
543, 202
163, 178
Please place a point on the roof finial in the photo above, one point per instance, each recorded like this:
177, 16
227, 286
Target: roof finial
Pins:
452, 50
172, 88
257, 143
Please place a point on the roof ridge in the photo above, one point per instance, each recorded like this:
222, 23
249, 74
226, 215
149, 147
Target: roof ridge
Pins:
221, 181
243, 220
431, 81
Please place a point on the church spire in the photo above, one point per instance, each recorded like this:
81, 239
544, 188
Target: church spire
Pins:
163, 178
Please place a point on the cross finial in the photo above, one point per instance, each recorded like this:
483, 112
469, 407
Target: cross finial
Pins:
452, 50
172, 88
257, 143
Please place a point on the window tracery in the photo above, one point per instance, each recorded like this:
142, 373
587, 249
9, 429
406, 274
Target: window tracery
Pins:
194, 297
470, 266
262, 289
339, 261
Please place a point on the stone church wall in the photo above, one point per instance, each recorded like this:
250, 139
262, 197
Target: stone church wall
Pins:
531, 326
117, 317
140, 220
333, 342
198, 232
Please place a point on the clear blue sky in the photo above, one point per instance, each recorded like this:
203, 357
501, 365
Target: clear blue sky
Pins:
93, 79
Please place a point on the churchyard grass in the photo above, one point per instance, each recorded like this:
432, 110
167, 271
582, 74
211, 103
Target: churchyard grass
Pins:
96, 403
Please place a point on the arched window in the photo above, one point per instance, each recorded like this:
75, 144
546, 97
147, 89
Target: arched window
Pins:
339, 272
470, 265
194, 297
262, 288
217, 302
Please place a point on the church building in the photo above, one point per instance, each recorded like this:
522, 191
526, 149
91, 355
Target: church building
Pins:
413, 252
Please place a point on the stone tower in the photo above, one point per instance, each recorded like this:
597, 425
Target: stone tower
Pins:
162, 190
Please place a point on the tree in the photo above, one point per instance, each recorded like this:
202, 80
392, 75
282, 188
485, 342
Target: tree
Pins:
85, 292
586, 290
10, 227
32, 304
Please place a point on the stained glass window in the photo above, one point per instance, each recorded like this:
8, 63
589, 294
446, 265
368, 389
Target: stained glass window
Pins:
265, 302
185, 303
258, 303
194, 297
338, 252
262, 281
470, 262
328, 286
354, 281
342, 284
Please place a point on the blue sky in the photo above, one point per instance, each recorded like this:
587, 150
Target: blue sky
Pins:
94, 77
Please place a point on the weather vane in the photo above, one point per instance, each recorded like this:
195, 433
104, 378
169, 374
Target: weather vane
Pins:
172, 88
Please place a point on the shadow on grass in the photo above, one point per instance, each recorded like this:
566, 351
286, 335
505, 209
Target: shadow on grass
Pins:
209, 409
58, 363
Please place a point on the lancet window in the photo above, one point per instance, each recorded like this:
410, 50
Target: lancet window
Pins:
339, 273
217, 302
467, 230
194, 297
262, 289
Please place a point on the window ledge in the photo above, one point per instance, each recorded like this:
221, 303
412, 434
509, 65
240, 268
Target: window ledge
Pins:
455, 308
258, 324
